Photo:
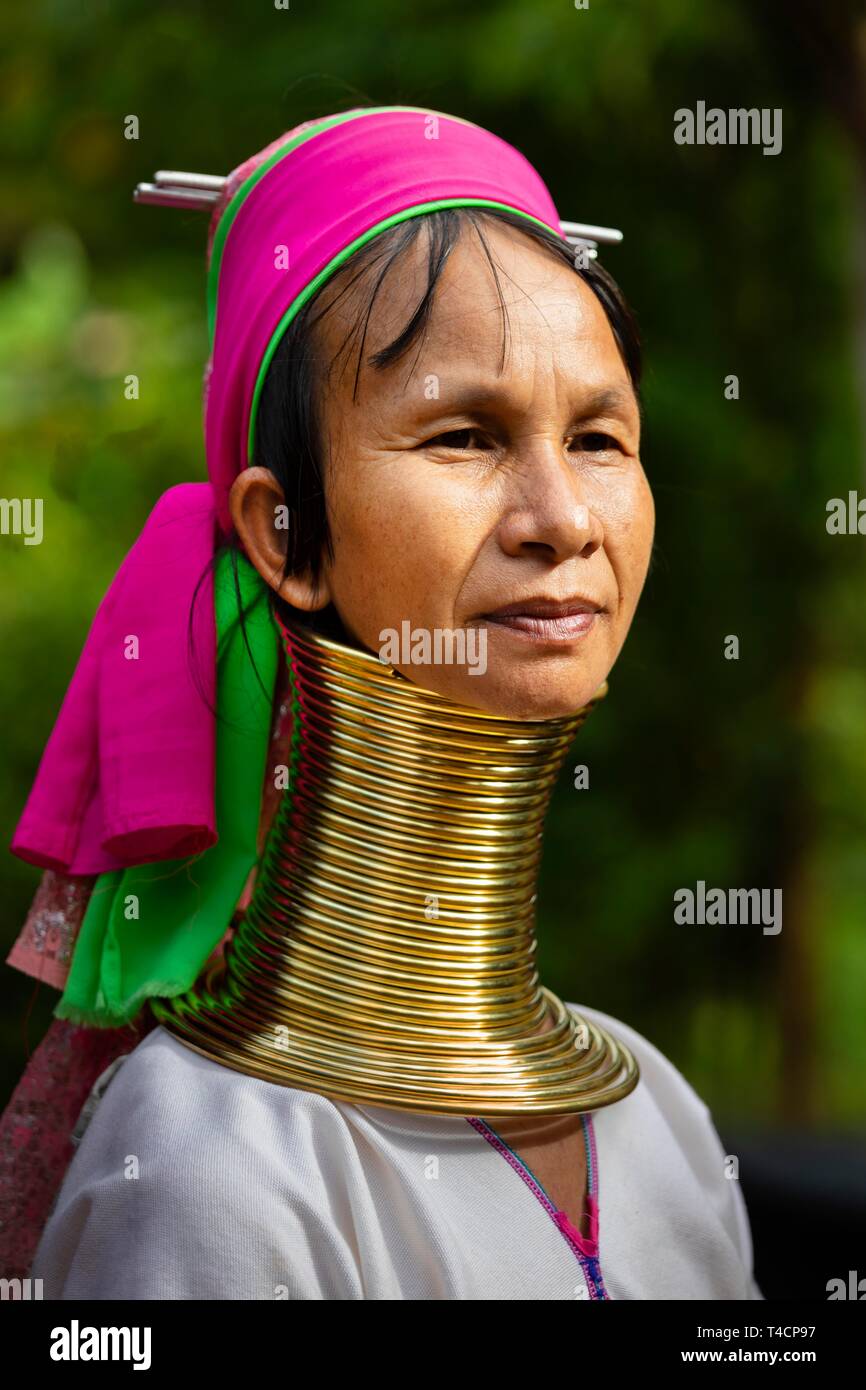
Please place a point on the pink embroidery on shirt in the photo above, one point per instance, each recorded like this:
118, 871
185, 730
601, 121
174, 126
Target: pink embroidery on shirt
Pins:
584, 1247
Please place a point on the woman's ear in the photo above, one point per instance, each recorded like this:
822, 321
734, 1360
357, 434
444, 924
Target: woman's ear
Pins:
259, 513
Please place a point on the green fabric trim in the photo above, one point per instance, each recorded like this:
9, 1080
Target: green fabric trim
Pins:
185, 905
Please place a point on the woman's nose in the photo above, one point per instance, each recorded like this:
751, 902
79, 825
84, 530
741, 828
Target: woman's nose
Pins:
550, 513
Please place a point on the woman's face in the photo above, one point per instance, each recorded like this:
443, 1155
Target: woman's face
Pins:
458, 488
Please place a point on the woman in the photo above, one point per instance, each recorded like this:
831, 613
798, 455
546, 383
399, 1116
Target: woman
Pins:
432, 530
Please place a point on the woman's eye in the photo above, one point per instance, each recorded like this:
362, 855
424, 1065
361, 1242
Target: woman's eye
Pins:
595, 442
453, 439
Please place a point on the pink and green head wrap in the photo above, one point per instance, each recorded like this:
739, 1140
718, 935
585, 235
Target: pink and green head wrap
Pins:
309, 204
137, 770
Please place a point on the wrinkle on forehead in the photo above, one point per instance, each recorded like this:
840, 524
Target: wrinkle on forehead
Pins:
465, 297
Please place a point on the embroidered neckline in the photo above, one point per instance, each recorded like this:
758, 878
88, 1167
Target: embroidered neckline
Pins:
585, 1247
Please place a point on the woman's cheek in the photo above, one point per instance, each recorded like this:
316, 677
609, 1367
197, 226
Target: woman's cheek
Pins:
643, 531
631, 521
404, 537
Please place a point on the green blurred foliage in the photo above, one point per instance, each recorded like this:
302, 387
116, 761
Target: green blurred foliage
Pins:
741, 773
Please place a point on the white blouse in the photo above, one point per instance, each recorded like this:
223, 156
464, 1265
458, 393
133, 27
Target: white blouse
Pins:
192, 1181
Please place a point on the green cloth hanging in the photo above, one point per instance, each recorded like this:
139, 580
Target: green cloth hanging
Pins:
149, 930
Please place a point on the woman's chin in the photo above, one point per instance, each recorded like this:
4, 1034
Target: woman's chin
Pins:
518, 694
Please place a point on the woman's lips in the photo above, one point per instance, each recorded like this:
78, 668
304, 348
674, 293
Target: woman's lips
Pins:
556, 627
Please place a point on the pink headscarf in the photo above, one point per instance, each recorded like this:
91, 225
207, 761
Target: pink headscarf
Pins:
127, 776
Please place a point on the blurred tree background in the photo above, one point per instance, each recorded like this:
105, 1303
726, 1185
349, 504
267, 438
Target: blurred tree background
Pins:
746, 773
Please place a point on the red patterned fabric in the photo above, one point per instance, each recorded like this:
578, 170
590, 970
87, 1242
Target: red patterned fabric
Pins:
35, 1144
44, 945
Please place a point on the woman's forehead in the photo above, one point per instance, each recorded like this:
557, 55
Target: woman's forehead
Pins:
525, 311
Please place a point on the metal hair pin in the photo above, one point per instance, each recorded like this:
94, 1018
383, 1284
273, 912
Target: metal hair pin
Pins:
173, 188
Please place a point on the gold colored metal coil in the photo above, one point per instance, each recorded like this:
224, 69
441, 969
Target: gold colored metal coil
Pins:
388, 954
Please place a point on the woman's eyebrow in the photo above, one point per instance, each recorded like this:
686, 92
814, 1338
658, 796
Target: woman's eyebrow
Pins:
610, 400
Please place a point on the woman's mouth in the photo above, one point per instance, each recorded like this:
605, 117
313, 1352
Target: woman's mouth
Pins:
546, 620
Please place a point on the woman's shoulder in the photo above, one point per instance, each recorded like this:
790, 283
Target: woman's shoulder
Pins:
664, 1105
188, 1114
163, 1078
658, 1073
175, 1138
